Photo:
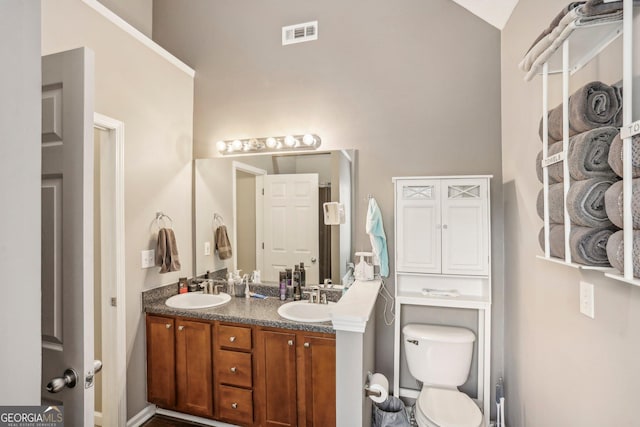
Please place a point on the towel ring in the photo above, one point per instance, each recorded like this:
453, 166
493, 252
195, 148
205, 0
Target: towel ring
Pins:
217, 220
161, 216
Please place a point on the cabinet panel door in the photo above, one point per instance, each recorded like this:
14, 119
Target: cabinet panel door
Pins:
193, 367
278, 378
161, 362
418, 226
319, 371
465, 226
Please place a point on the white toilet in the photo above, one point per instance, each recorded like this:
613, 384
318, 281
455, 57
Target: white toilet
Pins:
440, 357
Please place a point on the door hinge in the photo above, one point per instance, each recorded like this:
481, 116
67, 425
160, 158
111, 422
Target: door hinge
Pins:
262, 245
114, 302
263, 191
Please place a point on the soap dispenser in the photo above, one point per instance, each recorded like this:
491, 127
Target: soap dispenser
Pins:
364, 269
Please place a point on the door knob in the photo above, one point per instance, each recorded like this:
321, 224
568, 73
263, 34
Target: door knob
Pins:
290, 342
233, 369
313, 260
68, 379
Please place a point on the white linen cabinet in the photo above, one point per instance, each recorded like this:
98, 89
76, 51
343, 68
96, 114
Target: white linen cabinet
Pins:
443, 259
442, 226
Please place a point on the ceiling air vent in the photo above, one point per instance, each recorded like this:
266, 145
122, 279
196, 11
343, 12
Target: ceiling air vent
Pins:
299, 33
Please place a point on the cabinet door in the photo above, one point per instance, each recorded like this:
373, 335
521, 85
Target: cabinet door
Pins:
418, 226
193, 367
277, 376
465, 227
319, 373
161, 363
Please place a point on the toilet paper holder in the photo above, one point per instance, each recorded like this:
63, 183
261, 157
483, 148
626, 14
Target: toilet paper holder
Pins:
368, 391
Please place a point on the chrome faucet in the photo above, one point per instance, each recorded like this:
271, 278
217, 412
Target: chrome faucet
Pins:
315, 297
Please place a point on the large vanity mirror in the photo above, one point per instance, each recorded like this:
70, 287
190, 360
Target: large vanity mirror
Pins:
272, 207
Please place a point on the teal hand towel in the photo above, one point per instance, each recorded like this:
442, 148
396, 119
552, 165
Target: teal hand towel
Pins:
375, 230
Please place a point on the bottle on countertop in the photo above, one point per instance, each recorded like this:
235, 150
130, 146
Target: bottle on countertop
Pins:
283, 285
182, 285
297, 292
289, 273
303, 276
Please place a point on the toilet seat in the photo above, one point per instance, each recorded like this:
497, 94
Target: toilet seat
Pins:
437, 407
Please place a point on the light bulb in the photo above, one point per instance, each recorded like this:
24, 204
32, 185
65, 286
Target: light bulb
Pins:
289, 141
271, 142
308, 139
221, 146
237, 144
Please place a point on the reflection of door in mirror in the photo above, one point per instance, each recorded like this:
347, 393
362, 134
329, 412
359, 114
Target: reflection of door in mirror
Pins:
290, 224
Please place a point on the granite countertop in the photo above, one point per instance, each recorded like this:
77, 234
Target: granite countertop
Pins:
251, 311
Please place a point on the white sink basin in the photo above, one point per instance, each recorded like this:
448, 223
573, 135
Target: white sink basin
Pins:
193, 300
303, 311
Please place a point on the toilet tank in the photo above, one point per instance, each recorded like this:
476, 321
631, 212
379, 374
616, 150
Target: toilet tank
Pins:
438, 355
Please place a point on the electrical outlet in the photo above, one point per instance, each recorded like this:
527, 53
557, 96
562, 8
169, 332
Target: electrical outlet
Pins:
148, 258
587, 299
207, 248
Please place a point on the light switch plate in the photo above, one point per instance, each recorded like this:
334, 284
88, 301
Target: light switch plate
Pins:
587, 299
148, 258
207, 248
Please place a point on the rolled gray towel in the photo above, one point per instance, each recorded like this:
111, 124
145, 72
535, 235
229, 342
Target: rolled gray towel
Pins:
585, 203
594, 105
588, 156
588, 245
615, 251
615, 155
613, 203
556, 240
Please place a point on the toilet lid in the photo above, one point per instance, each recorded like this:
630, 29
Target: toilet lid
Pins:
449, 408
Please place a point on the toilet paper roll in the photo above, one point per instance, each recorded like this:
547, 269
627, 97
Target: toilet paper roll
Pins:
379, 382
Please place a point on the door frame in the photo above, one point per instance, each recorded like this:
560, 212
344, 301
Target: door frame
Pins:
243, 167
114, 350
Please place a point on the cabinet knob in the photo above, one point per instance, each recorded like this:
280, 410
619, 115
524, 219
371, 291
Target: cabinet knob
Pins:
445, 226
307, 345
290, 342
234, 405
181, 327
168, 325
232, 339
233, 369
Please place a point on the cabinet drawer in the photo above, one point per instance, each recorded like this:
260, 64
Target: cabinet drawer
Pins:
236, 404
235, 337
234, 368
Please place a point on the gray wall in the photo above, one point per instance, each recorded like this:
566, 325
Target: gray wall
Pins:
20, 160
138, 13
562, 368
413, 86
154, 99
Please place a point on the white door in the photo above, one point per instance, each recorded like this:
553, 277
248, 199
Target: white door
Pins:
465, 248
418, 226
67, 233
291, 224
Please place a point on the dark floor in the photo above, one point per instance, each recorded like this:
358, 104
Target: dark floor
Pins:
164, 421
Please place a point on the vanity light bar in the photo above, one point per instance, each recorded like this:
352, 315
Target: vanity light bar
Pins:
269, 144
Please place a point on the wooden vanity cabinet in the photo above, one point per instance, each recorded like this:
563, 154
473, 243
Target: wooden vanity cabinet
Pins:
161, 361
245, 375
317, 370
296, 371
233, 373
193, 368
179, 365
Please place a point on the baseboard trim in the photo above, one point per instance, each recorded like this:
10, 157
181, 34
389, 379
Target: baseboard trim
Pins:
142, 416
192, 418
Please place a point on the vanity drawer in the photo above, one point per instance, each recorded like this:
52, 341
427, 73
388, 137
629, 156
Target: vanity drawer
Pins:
234, 368
236, 405
235, 337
